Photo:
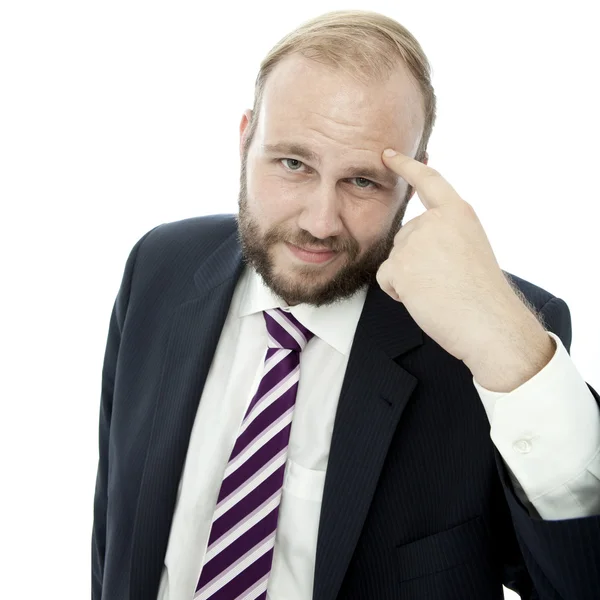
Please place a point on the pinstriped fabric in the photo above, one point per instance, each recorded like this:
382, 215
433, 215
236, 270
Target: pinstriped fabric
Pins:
242, 537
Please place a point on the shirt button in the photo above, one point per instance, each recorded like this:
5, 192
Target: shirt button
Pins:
522, 446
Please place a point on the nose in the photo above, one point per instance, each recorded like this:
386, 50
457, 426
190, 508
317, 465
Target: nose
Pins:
320, 215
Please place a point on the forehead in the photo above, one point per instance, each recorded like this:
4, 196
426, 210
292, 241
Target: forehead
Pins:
306, 98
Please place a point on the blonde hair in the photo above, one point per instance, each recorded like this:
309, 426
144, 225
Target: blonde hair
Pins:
366, 44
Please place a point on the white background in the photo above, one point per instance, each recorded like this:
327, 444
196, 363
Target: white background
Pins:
118, 116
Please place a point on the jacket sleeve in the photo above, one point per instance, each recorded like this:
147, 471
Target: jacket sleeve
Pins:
101, 495
562, 557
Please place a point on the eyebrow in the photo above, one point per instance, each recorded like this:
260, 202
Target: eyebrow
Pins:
366, 171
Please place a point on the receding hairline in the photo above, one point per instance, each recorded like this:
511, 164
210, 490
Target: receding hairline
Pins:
366, 45
414, 99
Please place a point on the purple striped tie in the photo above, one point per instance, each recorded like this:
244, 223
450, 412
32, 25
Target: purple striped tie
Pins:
240, 547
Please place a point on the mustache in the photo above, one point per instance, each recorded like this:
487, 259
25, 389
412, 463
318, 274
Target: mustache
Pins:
303, 238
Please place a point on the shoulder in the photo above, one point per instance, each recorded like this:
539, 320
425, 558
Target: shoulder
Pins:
187, 240
535, 295
553, 312
166, 257
196, 234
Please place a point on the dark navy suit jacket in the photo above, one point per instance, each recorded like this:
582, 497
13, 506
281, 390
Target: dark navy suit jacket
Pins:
417, 502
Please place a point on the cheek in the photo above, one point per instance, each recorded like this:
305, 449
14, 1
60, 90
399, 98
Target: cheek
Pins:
270, 199
367, 224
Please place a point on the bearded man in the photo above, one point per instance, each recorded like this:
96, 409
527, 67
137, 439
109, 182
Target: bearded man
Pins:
311, 399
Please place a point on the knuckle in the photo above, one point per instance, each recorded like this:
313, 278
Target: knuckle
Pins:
431, 172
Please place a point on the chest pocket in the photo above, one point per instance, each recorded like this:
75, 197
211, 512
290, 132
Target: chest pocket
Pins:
293, 567
307, 484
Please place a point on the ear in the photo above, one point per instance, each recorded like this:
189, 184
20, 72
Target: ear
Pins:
246, 117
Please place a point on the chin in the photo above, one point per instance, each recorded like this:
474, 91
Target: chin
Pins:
307, 276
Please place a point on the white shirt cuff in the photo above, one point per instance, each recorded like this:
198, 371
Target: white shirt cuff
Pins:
548, 433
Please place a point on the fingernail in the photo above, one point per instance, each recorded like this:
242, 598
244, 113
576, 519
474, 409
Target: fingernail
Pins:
389, 152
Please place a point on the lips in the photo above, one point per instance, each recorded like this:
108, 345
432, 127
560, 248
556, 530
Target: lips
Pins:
311, 256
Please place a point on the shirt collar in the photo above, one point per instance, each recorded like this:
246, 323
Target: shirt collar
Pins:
334, 323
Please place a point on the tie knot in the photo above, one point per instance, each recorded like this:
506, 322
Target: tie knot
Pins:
285, 331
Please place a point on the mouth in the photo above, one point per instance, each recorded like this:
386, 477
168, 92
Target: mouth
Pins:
315, 256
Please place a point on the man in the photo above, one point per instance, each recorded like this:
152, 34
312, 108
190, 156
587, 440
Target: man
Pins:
297, 404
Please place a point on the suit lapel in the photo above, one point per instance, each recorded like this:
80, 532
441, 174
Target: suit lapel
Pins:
374, 394
195, 329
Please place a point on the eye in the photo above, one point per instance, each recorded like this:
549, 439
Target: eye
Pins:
293, 163
364, 183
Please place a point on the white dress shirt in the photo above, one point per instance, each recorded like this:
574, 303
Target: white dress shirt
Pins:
547, 431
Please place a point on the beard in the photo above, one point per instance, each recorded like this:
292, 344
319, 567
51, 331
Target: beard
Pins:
302, 285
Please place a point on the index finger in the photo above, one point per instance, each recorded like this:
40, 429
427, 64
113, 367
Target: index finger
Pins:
432, 188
